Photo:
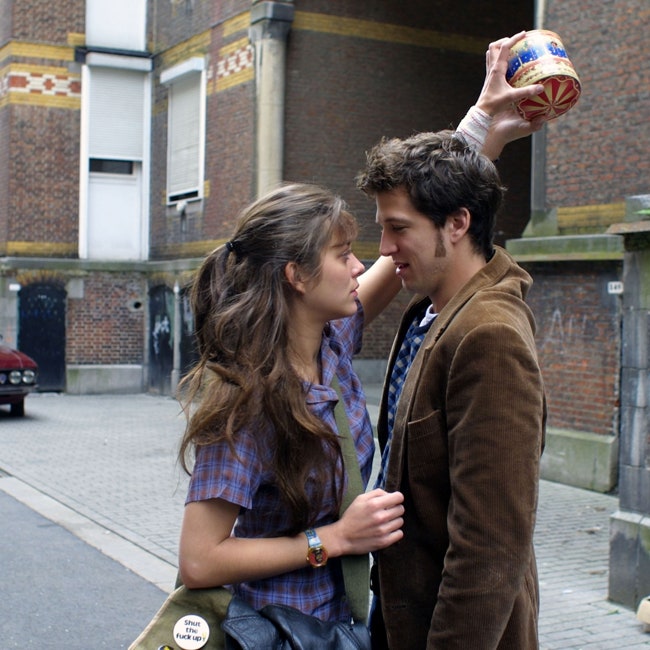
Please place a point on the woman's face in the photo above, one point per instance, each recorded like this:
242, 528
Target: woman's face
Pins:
333, 293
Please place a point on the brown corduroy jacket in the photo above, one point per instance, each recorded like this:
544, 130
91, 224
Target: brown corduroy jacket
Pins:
467, 440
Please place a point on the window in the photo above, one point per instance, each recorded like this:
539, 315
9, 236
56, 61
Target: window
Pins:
103, 166
185, 130
114, 157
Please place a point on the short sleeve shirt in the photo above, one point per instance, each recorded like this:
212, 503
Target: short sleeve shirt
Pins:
246, 479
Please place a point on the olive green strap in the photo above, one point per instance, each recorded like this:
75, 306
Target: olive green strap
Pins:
356, 568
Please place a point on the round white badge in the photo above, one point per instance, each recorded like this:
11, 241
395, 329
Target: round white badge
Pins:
191, 632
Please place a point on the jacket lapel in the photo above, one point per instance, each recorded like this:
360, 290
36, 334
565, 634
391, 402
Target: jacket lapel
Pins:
486, 277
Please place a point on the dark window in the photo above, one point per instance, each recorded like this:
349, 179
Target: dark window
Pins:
184, 196
104, 166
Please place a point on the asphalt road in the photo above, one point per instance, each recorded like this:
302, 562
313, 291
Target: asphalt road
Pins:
61, 593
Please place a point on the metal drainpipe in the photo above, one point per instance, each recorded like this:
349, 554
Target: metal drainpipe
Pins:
538, 147
176, 342
270, 25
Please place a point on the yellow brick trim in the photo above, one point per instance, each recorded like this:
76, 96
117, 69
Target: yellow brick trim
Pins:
49, 101
603, 214
41, 249
227, 50
18, 97
40, 69
237, 24
388, 32
75, 39
191, 249
220, 82
234, 79
198, 45
37, 51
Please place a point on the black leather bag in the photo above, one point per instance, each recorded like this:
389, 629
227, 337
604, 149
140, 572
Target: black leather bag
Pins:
278, 627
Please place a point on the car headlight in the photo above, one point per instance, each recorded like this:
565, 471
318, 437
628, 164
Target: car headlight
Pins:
15, 377
29, 376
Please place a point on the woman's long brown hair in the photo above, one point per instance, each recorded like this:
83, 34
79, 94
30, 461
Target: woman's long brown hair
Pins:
240, 299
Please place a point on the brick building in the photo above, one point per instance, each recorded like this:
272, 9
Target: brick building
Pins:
132, 132
586, 246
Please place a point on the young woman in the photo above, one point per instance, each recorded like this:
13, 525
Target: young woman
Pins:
279, 311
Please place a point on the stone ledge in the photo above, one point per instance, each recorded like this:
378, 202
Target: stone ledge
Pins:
567, 248
581, 459
110, 379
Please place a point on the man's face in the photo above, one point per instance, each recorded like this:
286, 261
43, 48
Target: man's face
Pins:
416, 245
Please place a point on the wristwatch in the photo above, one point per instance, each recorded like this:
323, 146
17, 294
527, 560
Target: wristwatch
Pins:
316, 553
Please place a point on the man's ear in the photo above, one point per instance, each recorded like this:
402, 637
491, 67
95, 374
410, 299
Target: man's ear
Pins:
458, 224
292, 273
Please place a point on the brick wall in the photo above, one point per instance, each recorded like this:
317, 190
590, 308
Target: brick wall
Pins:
358, 88
40, 127
157, 234
106, 325
598, 152
5, 212
174, 21
6, 20
345, 90
230, 140
578, 339
47, 21
43, 187
578, 342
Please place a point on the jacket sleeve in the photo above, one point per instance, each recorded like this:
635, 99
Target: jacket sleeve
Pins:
495, 421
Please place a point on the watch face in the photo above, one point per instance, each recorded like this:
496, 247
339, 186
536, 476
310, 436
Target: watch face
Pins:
317, 556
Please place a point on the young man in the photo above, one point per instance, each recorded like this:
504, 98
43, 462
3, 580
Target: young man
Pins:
462, 417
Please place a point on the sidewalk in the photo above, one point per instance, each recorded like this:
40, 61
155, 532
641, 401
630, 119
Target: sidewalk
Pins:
104, 468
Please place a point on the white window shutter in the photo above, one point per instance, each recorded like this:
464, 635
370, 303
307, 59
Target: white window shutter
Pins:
116, 117
184, 175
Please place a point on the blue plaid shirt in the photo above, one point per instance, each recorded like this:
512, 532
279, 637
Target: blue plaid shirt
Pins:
409, 348
246, 480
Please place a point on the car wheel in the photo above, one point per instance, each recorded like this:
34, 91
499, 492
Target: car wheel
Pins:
18, 409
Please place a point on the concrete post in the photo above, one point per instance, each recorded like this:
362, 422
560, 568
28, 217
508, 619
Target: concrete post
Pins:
176, 342
270, 24
629, 558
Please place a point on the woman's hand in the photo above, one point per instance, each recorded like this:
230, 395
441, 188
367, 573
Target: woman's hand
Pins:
210, 556
372, 521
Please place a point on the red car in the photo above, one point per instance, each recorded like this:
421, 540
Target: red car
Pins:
18, 378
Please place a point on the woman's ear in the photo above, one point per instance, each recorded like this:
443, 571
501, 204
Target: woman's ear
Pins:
292, 273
